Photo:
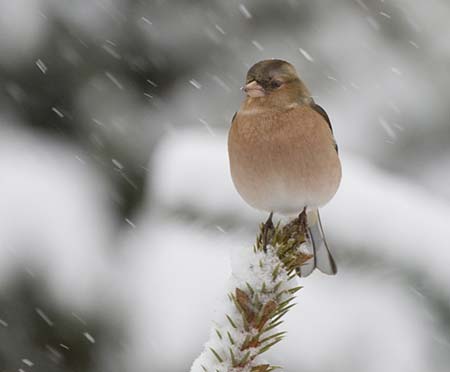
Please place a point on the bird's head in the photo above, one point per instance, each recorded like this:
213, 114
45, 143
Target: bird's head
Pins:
273, 77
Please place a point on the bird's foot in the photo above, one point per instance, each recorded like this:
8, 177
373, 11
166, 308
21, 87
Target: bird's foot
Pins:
267, 229
303, 222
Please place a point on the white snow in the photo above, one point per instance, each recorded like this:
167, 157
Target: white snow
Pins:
189, 157
257, 45
114, 80
58, 112
195, 84
306, 54
360, 321
89, 337
41, 65
176, 274
249, 268
44, 317
27, 362
54, 219
244, 11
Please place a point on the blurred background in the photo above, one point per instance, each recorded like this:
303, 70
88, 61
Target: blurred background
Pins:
117, 214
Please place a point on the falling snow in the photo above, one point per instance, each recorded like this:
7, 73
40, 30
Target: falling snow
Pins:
129, 222
89, 337
244, 11
387, 127
396, 71
373, 23
146, 20
57, 112
111, 51
195, 84
41, 65
361, 3
220, 29
221, 83
306, 54
115, 178
28, 362
77, 317
44, 317
117, 164
152, 83
207, 126
114, 80
257, 45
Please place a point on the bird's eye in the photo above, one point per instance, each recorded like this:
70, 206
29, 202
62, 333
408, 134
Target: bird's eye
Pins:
275, 84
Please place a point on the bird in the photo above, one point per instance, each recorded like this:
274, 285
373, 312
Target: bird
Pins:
283, 156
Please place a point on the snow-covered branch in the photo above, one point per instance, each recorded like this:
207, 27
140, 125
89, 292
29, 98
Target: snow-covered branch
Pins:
262, 291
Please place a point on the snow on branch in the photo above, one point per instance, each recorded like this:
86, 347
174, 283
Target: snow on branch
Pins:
263, 288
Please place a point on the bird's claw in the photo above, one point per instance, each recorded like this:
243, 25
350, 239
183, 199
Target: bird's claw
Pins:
267, 227
303, 222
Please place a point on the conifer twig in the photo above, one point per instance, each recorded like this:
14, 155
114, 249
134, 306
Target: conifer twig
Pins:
260, 298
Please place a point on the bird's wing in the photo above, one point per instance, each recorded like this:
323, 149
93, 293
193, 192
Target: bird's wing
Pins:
234, 116
324, 114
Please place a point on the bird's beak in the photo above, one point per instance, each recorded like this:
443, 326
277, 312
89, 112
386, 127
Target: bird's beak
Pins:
253, 89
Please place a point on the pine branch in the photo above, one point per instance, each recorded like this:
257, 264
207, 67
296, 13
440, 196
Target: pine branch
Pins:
261, 297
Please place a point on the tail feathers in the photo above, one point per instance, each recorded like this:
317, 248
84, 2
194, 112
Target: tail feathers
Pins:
322, 259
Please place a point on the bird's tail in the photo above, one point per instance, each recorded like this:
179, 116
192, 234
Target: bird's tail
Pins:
322, 258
